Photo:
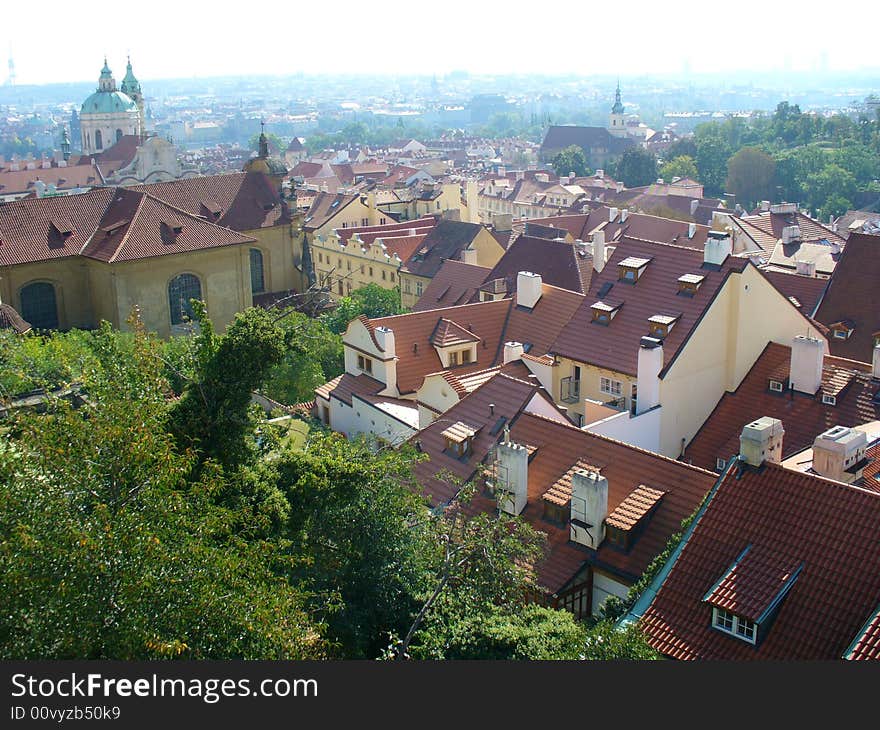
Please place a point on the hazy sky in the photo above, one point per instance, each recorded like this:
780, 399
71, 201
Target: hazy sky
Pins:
63, 41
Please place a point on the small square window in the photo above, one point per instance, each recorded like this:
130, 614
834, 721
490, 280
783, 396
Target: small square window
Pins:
775, 386
829, 400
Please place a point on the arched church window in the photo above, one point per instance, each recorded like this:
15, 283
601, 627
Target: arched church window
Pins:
39, 306
182, 289
118, 134
99, 143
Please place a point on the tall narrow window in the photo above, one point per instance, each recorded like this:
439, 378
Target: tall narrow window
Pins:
99, 142
38, 305
118, 134
181, 290
258, 284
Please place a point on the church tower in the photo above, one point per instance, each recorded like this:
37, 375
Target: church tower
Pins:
107, 115
617, 120
132, 88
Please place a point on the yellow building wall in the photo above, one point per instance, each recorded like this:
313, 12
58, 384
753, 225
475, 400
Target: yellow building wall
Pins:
411, 288
590, 378
282, 252
351, 266
747, 314
72, 294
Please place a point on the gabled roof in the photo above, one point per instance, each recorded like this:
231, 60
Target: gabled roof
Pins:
448, 333
559, 137
803, 417
616, 345
853, 294
368, 233
454, 283
346, 385
805, 292
446, 240
325, 207
247, 200
790, 519
559, 263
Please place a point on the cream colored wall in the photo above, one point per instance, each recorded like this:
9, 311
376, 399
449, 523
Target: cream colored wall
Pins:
281, 246
224, 274
590, 382
351, 216
353, 265
409, 288
747, 314
436, 393
72, 294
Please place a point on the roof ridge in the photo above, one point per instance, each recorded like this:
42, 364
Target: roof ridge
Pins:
128, 227
654, 454
194, 217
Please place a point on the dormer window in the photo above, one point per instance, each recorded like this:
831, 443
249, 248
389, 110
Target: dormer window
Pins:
829, 400
689, 284
734, 625
842, 330
661, 324
603, 313
459, 439
631, 268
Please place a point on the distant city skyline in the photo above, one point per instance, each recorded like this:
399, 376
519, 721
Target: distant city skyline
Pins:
181, 40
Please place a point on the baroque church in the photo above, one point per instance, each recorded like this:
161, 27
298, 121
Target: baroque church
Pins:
109, 114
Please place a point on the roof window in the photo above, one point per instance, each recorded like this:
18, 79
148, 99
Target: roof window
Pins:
661, 324
603, 313
689, 284
631, 269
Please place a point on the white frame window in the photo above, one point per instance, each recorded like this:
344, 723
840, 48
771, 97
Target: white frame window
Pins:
775, 386
609, 386
737, 626
829, 400
365, 364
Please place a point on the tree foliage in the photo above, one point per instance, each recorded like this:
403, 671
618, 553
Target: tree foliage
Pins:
571, 159
681, 166
636, 167
371, 300
750, 176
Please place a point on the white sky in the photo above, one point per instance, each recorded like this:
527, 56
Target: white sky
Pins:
54, 41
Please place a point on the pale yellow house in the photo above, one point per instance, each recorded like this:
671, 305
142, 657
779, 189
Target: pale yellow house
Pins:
664, 332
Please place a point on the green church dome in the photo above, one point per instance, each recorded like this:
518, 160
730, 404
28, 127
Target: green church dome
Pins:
108, 102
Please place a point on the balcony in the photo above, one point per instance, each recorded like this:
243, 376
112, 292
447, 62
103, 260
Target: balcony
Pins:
570, 390
618, 404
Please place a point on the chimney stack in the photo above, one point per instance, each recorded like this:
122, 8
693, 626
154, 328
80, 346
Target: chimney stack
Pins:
650, 363
598, 250
612, 214
875, 369
805, 371
761, 441
469, 256
589, 507
512, 478
512, 351
719, 246
839, 453
528, 289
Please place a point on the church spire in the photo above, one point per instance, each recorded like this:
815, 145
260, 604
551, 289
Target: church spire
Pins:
618, 105
264, 142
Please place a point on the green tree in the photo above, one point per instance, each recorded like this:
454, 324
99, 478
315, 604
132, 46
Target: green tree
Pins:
371, 300
607, 642
711, 159
750, 175
832, 182
636, 167
107, 550
571, 159
682, 166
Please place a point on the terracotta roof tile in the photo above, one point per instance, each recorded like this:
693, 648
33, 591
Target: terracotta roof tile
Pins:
454, 283
559, 263
852, 295
638, 504
791, 519
346, 385
803, 417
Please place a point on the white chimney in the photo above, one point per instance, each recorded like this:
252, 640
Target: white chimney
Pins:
761, 441
589, 507
512, 479
512, 351
806, 268
542, 177
765, 205
598, 250
528, 289
875, 370
600, 173
502, 171
692, 229
612, 214
838, 453
650, 364
807, 355
694, 205
520, 175
624, 214
385, 338
718, 247
469, 256
791, 234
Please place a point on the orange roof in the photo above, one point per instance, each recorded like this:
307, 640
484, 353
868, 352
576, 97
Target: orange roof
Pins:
637, 505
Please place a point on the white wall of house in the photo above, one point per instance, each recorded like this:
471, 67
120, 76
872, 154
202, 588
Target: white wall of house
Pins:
642, 431
605, 586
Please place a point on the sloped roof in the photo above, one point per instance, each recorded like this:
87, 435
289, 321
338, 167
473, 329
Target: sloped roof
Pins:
853, 294
803, 417
615, 346
806, 290
559, 137
324, 207
346, 385
790, 518
446, 240
247, 200
559, 263
454, 283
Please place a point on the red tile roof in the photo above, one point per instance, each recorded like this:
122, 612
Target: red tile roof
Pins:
454, 283
559, 263
867, 643
790, 519
325, 207
346, 385
615, 346
805, 291
247, 201
368, 233
852, 294
803, 417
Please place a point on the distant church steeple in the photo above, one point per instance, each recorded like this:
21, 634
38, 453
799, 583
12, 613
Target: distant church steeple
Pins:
132, 88
264, 141
617, 120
